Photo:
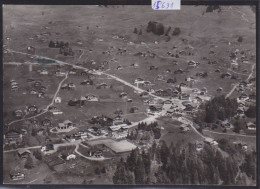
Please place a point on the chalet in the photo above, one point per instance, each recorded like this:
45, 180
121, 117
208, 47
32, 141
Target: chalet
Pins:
147, 83
54, 110
193, 63
43, 72
119, 68
139, 80
60, 73
135, 65
184, 127
204, 89
144, 94
47, 148
14, 175
240, 111
40, 131
244, 147
226, 76
32, 109
210, 141
150, 101
179, 71
103, 86
252, 80
198, 100
123, 95
160, 77
202, 74
13, 82
22, 153
87, 82
42, 88
243, 97
31, 49
95, 131
83, 73
170, 80
14, 88
13, 137
170, 111
57, 100
65, 86
195, 90
199, 147
83, 98
37, 84
252, 97
167, 102
227, 125
72, 72
118, 120
185, 96
33, 91
153, 68
115, 128
71, 85
154, 109
251, 126
183, 85
189, 109
18, 113
189, 79
175, 96
70, 157
243, 84
46, 122
81, 134
219, 89
66, 125
96, 154
35, 122
92, 98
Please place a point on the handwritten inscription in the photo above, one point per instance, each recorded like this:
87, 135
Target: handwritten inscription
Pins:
166, 4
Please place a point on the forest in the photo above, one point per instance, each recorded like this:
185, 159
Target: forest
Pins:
178, 165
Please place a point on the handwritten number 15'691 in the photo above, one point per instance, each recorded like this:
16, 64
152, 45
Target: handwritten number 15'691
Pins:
162, 5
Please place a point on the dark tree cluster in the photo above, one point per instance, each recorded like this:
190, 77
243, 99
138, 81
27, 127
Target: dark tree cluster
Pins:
64, 47
251, 112
211, 8
150, 127
249, 165
218, 108
177, 165
176, 31
101, 120
135, 170
155, 27
58, 44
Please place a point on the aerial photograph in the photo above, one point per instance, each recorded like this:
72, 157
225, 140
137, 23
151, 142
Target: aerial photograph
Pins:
129, 95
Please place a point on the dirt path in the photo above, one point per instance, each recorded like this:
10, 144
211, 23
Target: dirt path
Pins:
46, 109
229, 134
235, 86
